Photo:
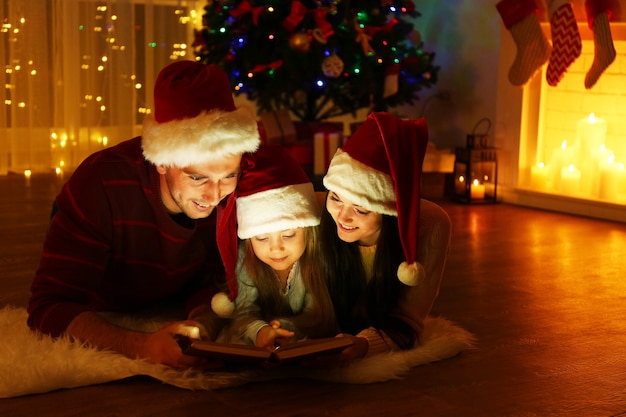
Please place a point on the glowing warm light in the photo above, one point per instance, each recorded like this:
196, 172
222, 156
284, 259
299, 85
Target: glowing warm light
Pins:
27, 173
477, 190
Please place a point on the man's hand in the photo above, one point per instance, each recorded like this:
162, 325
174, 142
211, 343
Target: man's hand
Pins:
158, 347
162, 346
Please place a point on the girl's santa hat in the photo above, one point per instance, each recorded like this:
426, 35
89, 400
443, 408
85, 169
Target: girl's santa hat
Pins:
195, 119
379, 168
274, 194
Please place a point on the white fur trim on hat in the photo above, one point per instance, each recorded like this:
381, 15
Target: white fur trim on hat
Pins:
361, 184
411, 274
210, 135
277, 209
222, 305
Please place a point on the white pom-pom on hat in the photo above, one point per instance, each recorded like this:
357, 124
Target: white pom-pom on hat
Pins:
222, 305
411, 274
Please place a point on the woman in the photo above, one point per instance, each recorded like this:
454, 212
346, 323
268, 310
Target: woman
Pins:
370, 232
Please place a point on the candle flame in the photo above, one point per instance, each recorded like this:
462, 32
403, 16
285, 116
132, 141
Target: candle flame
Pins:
541, 165
564, 144
571, 167
592, 118
475, 182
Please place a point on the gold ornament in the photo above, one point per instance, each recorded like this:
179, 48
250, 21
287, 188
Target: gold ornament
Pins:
300, 42
332, 66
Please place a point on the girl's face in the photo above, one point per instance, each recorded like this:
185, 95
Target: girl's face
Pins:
354, 223
196, 190
280, 250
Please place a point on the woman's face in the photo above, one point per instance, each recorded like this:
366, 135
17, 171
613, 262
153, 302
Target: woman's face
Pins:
354, 223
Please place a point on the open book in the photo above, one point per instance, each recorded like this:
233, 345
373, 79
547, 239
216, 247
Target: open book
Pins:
230, 352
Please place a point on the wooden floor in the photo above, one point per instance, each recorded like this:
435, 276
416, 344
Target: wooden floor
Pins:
544, 293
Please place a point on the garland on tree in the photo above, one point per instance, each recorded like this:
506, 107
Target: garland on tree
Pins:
318, 59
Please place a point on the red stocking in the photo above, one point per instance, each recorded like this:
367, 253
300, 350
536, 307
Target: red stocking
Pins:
598, 14
533, 50
566, 43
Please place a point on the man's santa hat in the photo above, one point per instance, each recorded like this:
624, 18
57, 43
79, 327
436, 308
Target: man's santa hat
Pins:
273, 194
379, 168
195, 119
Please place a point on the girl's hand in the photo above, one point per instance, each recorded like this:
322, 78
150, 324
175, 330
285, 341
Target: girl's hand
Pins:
272, 336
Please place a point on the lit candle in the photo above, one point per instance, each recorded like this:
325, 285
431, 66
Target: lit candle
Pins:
477, 191
570, 180
561, 157
592, 172
538, 176
591, 132
459, 185
27, 174
609, 180
621, 179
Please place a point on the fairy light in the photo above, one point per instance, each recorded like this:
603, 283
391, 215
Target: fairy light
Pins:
101, 27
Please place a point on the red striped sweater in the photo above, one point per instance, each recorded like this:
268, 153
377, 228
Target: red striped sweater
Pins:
111, 245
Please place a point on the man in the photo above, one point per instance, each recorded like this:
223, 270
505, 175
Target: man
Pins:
135, 228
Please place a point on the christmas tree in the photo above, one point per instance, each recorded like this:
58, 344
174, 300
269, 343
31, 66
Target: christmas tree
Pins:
317, 58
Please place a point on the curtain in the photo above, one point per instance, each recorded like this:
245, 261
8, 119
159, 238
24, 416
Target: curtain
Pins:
78, 74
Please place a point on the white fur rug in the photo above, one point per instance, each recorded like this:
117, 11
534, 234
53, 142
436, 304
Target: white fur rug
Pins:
33, 363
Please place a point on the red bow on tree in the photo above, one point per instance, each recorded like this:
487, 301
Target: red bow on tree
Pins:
245, 7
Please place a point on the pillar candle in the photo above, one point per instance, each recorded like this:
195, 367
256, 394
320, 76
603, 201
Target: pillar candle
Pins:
570, 180
27, 175
477, 191
591, 132
609, 180
621, 179
538, 176
459, 185
599, 157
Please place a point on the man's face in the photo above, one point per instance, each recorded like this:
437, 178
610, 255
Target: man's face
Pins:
196, 190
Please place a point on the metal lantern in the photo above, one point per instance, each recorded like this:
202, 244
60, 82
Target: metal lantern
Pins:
476, 170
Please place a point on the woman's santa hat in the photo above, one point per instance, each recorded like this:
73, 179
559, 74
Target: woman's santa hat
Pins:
195, 119
379, 168
274, 194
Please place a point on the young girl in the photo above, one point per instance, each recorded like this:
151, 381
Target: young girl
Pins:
370, 231
281, 294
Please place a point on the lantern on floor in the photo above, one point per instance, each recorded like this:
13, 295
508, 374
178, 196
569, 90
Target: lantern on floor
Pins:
476, 169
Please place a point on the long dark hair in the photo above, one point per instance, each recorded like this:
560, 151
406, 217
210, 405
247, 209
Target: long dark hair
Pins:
318, 321
360, 304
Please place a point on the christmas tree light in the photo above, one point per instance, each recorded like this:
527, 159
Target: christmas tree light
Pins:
319, 59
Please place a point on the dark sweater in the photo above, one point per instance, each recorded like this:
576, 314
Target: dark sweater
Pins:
112, 246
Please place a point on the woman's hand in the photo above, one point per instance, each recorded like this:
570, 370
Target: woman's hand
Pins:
358, 350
